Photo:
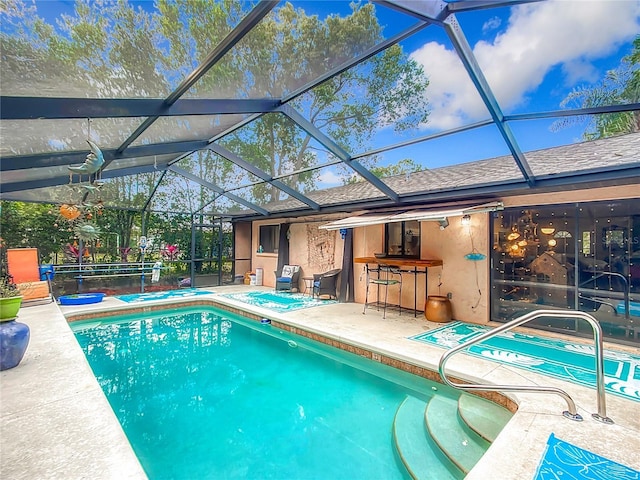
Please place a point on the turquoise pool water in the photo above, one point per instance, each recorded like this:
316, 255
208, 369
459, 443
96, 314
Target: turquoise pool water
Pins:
203, 393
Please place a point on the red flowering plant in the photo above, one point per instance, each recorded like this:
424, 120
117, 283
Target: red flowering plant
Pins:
72, 252
170, 252
124, 254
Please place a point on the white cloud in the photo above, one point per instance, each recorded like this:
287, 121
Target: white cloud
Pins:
491, 24
329, 178
536, 38
579, 71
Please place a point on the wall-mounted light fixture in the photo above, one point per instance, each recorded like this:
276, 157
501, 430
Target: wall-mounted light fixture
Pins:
444, 223
547, 230
466, 220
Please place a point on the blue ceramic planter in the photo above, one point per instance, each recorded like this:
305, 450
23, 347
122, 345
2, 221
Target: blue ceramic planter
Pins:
14, 338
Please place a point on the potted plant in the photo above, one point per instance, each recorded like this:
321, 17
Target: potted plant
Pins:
14, 336
10, 299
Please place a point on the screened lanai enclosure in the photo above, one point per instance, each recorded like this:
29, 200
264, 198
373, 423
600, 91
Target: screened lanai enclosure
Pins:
145, 132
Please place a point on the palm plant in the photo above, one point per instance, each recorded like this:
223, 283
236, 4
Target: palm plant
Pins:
620, 86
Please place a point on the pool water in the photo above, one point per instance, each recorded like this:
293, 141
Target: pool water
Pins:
207, 394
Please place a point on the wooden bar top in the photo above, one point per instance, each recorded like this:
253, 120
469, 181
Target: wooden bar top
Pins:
400, 262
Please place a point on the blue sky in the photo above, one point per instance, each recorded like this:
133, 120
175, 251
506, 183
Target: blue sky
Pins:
532, 55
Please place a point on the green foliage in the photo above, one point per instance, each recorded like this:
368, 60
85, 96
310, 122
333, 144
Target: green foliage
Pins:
33, 225
291, 48
285, 51
620, 86
401, 167
116, 49
8, 289
172, 229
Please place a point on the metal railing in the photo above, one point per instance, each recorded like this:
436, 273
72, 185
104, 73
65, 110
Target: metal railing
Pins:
626, 293
104, 271
571, 411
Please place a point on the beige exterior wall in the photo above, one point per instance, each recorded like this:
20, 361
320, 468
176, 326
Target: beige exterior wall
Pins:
466, 280
592, 195
315, 250
267, 261
242, 247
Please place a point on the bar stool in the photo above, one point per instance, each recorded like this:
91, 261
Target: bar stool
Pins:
386, 277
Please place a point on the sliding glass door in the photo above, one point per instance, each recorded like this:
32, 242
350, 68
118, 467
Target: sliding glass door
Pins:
582, 256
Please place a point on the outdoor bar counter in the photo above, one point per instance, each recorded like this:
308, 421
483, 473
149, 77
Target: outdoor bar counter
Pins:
412, 266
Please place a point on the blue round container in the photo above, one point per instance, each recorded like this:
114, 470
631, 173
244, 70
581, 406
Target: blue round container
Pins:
81, 298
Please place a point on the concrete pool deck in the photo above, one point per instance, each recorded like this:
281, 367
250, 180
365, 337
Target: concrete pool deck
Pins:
57, 423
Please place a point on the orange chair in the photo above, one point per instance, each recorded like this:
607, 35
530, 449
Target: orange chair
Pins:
24, 268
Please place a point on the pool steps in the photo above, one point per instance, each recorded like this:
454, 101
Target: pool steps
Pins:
444, 438
482, 416
458, 442
418, 452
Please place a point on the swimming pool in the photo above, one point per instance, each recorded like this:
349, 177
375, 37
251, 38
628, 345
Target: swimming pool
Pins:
204, 393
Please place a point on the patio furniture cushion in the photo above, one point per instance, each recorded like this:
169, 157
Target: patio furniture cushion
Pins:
287, 271
287, 278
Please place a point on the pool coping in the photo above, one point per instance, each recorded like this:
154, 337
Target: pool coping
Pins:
54, 355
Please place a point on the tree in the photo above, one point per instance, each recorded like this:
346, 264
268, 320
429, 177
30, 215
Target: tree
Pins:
620, 86
401, 167
116, 49
292, 48
34, 226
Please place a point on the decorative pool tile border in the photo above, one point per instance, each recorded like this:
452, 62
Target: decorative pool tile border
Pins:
326, 339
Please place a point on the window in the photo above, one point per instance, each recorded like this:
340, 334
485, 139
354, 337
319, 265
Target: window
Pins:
402, 239
269, 238
583, 256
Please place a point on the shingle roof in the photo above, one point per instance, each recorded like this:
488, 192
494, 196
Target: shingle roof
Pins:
568, 159
566, 162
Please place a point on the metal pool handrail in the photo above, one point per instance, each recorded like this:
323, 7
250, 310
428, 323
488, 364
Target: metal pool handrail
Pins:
571, 411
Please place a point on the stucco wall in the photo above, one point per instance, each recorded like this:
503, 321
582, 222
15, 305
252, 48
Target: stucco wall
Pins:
316, 251
267, 261
243, 247
592, 195
466, 280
